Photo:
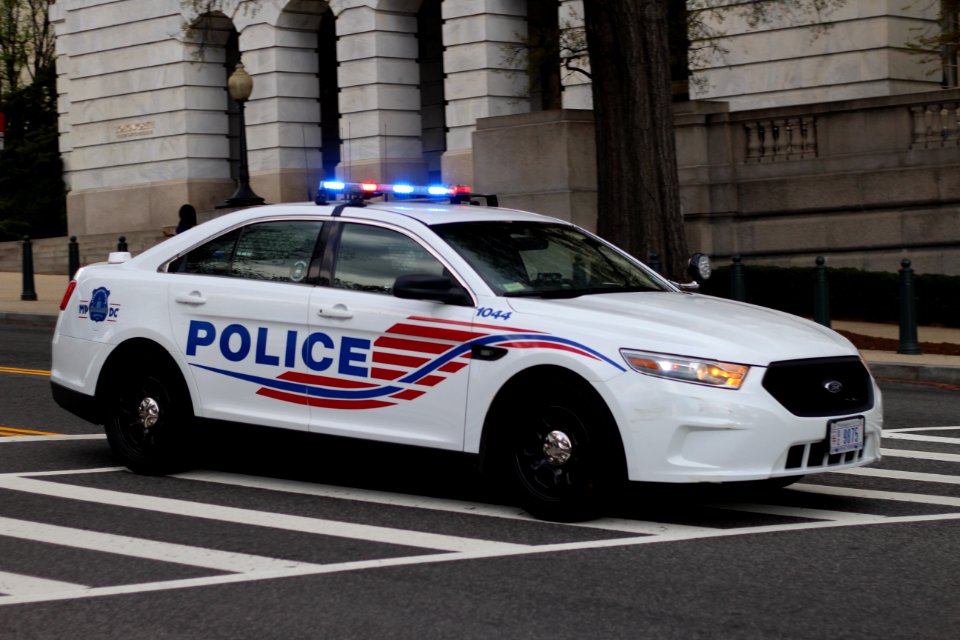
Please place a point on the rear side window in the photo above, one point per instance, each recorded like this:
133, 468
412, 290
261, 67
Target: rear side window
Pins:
279, 251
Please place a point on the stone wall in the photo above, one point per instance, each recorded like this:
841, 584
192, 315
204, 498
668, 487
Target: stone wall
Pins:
852, 49
863, 182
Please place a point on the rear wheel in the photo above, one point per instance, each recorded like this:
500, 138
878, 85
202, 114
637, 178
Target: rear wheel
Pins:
557, 452
148, 414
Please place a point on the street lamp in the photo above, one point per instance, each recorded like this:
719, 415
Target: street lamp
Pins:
240, 86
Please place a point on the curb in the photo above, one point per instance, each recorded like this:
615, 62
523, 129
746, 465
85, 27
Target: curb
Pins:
938, 374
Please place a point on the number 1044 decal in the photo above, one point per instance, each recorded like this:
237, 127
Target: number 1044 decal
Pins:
496, 314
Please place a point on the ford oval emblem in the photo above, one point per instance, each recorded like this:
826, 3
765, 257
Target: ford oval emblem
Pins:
833, 386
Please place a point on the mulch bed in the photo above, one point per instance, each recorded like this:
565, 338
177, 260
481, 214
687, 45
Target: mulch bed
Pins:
871, 343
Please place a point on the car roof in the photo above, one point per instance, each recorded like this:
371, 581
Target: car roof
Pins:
401, 213
428, 213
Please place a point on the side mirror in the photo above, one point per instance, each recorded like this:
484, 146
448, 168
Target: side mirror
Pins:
423, 286
699, 269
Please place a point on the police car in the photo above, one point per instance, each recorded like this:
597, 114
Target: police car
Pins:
567, 366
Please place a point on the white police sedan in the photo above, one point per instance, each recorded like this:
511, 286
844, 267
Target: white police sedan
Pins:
566, 365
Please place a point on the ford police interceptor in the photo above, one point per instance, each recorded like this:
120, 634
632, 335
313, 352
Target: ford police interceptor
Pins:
565, 364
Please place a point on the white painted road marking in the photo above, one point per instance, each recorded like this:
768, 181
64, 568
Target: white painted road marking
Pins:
246, 568
143, 548
902, 475
909, 435
945, 501
15, 584
450, 557
921, 455
256, 518
635, 527
798, 512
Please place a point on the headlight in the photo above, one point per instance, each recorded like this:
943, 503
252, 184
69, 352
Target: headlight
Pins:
708, 372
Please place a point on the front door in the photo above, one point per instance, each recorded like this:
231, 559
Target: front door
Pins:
387, 368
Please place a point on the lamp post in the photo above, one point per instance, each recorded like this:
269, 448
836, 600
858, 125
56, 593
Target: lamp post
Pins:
240, 86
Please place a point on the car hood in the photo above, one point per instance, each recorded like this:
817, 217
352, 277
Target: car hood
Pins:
690, 324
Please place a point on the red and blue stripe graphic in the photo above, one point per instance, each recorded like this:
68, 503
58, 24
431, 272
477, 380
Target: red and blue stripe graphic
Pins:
407, 361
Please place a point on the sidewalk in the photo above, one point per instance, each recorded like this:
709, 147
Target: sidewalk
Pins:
884, 364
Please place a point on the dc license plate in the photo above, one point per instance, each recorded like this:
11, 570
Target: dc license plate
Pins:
845, 435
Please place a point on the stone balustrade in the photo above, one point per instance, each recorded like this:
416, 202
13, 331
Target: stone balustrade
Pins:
935, 125
781, 139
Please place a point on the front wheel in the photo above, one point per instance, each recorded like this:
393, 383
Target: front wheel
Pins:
147, 416
558, 453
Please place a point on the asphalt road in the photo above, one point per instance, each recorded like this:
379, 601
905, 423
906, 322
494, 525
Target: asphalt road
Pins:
284, 536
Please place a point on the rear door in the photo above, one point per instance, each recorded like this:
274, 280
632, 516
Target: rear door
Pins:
238, 307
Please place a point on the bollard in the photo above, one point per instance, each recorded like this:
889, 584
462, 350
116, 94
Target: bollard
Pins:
909, 344
821, 293
122, 243
73, 258
738, 288
29, 291
654, 263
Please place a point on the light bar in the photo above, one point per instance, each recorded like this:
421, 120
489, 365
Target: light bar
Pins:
336, 189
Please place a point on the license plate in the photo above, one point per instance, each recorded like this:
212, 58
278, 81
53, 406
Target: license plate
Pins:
845, 435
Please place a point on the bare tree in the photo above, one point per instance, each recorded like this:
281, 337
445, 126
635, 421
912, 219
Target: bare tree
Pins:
26, 42
942, 44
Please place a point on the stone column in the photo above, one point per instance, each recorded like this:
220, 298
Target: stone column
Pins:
283, 114
379, 96
479, 84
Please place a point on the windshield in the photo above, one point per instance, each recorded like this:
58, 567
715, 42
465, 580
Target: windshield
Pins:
544, 259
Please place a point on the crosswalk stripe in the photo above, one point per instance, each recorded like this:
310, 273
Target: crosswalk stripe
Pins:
15, 584
946, 501
287, 522
142, 548
921, 455
916, 437
455, 557
893, 474
635, 527
798, 512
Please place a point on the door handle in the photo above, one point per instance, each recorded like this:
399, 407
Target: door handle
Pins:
336, 311
193, 298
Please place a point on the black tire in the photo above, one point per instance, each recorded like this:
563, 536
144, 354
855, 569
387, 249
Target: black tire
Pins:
556, 451
147, 417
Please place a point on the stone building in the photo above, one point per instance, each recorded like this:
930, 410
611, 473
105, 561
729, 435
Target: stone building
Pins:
425, 90
364, 89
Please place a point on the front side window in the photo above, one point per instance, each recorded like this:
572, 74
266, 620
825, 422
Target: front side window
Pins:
544, 259
370, 258
280, 250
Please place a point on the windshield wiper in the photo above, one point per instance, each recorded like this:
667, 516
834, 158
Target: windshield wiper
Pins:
553, 294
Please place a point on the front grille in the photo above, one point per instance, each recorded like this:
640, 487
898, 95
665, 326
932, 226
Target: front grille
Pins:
817, 454
820, 386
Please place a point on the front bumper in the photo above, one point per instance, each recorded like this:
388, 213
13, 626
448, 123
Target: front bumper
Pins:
679, 432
